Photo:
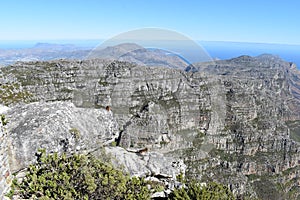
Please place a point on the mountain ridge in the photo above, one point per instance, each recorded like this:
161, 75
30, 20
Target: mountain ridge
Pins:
226, 122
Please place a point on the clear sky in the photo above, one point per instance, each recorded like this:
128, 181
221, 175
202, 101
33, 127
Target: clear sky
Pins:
262, 21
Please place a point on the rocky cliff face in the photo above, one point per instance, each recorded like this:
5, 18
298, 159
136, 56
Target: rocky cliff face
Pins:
227, 121
62, 127
57, 127
5, 172
254, 95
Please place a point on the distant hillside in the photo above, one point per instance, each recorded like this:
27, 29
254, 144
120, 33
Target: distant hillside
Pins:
142, 56
42, 51
113, 52
124, 52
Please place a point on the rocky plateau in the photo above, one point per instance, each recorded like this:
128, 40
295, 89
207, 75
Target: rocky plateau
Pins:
234, 121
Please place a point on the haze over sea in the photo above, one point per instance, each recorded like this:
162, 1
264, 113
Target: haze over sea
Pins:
226, 50
216, 49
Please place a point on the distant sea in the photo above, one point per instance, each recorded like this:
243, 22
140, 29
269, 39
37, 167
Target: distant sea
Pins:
227, 50
22, 44
216, 50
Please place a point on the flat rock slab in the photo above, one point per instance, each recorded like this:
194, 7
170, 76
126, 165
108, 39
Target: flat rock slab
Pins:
57, 127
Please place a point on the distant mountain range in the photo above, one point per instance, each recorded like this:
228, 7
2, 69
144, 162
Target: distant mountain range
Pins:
43, 51
143, 56
123, 52
228, 50
26, 51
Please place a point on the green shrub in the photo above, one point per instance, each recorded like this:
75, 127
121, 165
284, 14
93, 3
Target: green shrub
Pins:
136, 188
13, 93
76, 177
3, 120
194, 191
75, 133
113, 143
79, 176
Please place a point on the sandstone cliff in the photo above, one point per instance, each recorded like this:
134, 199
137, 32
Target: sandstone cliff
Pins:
227, 121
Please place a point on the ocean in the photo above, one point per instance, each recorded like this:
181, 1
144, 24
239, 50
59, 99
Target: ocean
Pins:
227, 50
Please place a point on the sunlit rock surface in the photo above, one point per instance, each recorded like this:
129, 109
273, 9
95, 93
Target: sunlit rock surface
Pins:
229, 121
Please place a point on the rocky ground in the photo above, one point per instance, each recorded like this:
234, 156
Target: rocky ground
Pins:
230, 121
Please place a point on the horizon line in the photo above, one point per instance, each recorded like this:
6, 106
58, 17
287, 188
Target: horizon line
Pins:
101, 40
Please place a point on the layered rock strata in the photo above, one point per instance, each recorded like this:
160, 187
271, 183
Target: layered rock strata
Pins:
228, 120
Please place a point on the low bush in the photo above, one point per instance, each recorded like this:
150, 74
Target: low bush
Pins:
77, 176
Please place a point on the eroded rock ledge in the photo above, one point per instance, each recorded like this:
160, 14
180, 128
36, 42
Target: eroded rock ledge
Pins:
227, 122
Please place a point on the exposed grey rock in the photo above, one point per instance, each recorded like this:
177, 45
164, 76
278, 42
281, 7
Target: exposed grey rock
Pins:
3, 109
147, 164
158, 195
57, 127
5, 172
227, 122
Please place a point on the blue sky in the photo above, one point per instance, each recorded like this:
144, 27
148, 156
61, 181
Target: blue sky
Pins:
212, 20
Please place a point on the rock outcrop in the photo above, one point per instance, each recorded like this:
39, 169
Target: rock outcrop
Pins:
56, 127
62, 127
253, 103
5, 171
227, 121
